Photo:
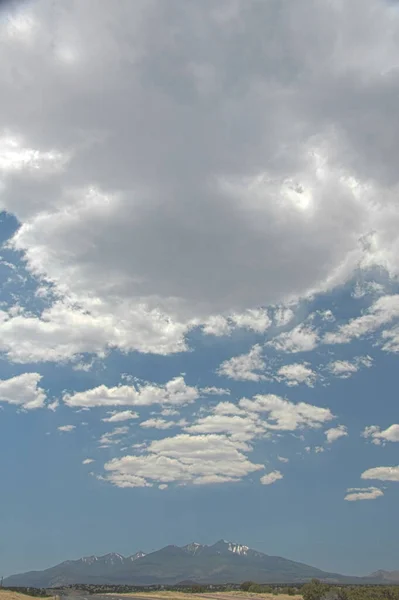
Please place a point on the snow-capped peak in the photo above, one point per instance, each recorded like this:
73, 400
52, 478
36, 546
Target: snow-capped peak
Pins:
193, 548
238, 549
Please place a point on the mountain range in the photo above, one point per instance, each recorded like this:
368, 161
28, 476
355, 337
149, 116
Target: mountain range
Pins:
222, 562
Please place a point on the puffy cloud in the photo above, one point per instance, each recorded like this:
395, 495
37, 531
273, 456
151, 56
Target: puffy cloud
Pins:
124, 415
382, 473
154, 212
381, 312
23, 391
335, 433
63, 332
300, 339
66, 428
345, 368
391, 434
285, 415
157, 424
245, 367
270, 478
257, 320
370, 493
174, 392
238, 427
297, 373
198, 459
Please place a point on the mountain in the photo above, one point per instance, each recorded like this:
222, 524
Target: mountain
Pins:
223, 562
386, 576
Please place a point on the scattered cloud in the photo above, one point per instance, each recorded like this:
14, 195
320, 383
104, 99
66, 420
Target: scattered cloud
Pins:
283, 459
87, 461
197, 459
382, 473
113, 437
382, 312
124, 415
215, 391
174, 392
345, 368
300, 339
256, 320
335, 433
270, 478
370, 493
23, 391
283, 316
245, 367
297, 373
238, 427
157, 424
285, 415
378, 437
66, 428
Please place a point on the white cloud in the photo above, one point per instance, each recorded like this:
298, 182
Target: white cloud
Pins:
283, 459
300, 339
87, 461
66, 428
297, 373
215, 391
319, 449
124, 415
257, 320
382, 473
270, 478
217, 325
212, 230
238, 427
245, 367
23, 391
53, 405
382, 312
370, 493
64, 331
174, 392
113, 437
391, 434
365, 288
283, 315
157, 424
345, 368
390, 339
285, 415
198, 459
335, 433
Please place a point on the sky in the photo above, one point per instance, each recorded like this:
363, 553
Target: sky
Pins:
199, 306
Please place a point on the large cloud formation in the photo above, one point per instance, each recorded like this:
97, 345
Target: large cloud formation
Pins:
198, 158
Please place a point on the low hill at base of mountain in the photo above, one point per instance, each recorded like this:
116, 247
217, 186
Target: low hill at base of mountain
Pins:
223, 562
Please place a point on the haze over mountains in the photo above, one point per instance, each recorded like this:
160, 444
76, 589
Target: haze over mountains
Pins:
222, 562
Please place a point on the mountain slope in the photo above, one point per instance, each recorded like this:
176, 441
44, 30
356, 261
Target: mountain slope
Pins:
220, 563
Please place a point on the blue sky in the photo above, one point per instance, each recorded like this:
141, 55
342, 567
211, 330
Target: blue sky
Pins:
199, 302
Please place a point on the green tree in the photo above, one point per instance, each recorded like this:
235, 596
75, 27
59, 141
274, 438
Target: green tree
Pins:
246, 585
315, 590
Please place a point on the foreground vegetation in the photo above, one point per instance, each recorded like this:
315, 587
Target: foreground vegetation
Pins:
314, 590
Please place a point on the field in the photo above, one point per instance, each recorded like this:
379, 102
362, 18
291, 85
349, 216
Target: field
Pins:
9, 595
208, 596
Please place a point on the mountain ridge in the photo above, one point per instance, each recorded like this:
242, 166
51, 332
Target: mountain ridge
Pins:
221, 562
